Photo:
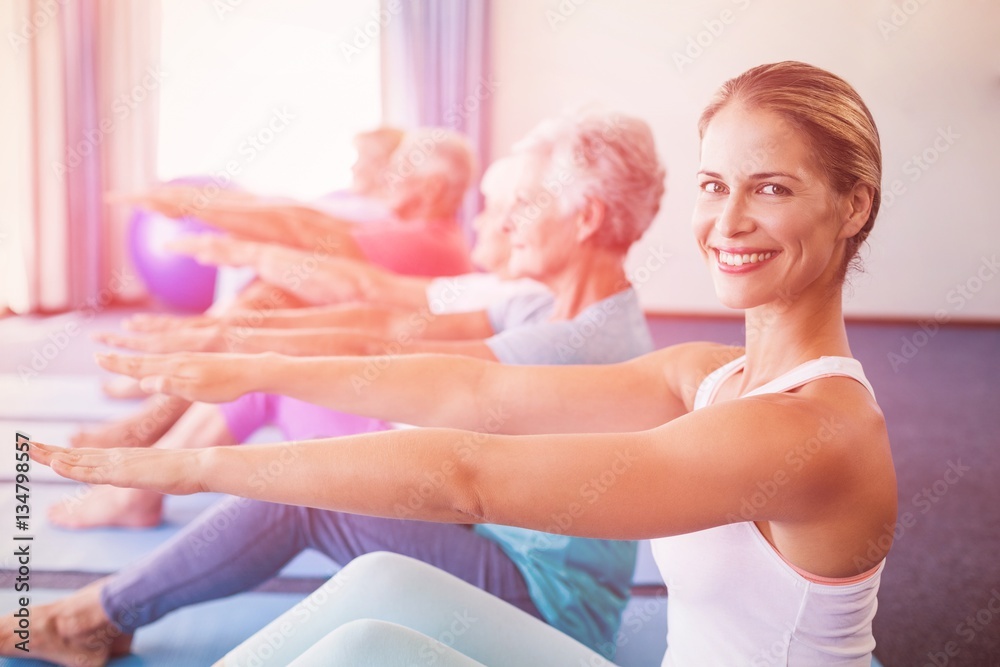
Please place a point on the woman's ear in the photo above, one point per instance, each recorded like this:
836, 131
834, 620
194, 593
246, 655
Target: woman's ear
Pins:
589, 218
858, 206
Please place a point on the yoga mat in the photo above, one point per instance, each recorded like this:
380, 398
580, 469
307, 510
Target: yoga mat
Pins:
103, 551
60, 398
196, 635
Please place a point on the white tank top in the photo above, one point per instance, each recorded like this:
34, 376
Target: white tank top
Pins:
734, 600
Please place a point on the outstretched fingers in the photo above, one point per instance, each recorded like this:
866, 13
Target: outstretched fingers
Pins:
162, 342
217, 249
140, 343
93, 466
158, 470
137, 365
150, 323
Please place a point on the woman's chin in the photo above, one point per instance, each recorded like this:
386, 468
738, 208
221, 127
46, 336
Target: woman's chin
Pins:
738, 300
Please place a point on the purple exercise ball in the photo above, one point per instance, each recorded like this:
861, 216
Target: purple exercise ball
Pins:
176, 280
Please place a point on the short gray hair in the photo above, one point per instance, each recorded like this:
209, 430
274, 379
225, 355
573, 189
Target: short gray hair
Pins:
608, 156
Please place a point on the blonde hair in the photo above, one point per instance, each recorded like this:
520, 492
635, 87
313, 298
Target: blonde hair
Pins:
831, 114
608, 156
385, 138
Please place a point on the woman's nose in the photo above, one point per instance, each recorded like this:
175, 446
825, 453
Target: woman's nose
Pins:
735, 218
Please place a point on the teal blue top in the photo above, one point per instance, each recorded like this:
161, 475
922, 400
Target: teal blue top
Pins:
579, 585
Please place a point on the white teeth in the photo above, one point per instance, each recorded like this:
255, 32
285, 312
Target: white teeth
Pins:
731, 259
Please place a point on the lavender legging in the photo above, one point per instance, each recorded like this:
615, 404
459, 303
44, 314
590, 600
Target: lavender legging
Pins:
296, 419
239, 544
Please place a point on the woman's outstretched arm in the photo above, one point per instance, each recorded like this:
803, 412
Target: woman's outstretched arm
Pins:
693, 473
444, 390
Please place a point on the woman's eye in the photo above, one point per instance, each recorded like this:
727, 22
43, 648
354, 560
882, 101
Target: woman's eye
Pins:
713, 187
774, 189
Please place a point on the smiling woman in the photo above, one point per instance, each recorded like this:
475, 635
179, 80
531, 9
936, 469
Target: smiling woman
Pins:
835, 141
789, 578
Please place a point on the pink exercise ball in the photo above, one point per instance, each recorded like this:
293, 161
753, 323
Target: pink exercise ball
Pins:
174, 279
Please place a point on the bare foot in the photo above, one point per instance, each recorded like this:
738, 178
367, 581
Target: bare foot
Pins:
123, 387
108, 507
142, 429
72, 632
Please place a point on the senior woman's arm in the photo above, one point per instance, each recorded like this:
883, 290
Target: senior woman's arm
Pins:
326, 273
263, 219
446, 390
362, 330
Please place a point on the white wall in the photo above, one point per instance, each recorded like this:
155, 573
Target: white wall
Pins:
922, 66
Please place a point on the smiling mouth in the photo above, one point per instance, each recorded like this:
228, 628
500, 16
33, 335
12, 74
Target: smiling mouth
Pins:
742, 261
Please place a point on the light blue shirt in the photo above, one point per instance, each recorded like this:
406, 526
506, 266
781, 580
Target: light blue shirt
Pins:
580, 585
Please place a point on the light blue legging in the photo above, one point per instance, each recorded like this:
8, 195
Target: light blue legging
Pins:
388, 610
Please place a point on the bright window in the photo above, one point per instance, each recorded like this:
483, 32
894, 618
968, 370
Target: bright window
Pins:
266, 92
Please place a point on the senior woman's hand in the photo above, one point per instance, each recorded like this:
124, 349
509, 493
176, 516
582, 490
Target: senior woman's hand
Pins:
196, 339
220, 250
157, 323
316, 275
210, 377
172, 202
176, 201
176, 472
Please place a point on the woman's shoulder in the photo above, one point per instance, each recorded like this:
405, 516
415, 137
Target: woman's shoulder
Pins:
848, 401
686, 365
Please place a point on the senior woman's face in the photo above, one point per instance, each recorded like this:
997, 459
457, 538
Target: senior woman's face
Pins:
492, 249
766, 218
542, 237
371, 159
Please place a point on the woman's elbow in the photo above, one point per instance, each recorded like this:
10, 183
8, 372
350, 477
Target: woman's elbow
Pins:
467, 497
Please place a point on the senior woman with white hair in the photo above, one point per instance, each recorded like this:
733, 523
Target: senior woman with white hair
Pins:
580, 189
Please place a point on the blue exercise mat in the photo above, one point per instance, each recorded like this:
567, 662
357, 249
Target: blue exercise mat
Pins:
196, 635
104, 551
